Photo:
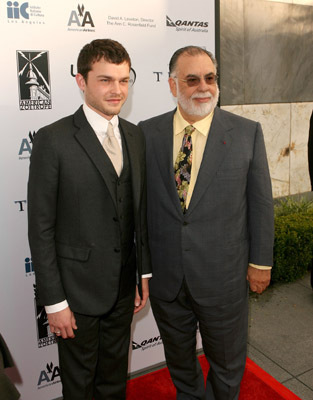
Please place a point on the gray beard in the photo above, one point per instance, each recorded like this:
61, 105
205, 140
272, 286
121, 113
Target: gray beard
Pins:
200, 110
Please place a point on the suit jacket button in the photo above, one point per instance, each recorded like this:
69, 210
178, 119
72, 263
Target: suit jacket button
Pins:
116, 250
185, 223
115, 219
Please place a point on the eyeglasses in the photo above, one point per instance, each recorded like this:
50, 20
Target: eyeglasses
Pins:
193, 81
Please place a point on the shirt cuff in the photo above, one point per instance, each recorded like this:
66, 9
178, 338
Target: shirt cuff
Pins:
56, 307
146, 276
262, 267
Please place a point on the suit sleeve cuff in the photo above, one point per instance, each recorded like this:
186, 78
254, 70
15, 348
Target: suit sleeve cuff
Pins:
56, 307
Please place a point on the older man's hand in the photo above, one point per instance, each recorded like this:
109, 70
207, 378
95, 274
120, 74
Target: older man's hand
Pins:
259, 279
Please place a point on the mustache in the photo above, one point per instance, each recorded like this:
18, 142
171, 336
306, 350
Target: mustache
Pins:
201, 95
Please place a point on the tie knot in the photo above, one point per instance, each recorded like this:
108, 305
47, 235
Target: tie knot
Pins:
189, 129
110, 130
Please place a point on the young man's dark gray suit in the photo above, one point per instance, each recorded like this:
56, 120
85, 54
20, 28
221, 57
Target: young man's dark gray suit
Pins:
88, 235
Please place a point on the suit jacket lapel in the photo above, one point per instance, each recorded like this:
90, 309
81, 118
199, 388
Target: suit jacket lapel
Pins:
163, 140
131, 145
216, 149
86, 136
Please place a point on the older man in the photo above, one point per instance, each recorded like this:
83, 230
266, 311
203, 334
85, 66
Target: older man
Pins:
210, 224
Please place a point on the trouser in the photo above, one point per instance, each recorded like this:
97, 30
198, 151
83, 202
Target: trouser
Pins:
94, 364
223, 331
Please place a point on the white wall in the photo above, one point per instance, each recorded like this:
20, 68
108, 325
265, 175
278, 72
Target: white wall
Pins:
59, 30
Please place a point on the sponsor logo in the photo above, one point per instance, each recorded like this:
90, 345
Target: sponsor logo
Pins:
132, 76
24, 13
147, 343
21, 204
44, 336
133, 22
16, 11
187, 26
34, 80
49, 376
25, 147
80, 20
29, 268
158, 75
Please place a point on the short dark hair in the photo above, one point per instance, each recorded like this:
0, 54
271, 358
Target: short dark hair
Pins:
191, 51
111, 50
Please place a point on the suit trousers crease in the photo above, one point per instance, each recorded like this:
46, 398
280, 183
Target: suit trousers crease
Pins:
94, 364
223, 331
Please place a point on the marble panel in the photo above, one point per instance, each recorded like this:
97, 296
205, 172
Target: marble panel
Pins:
303, 2
299, 170
231, 70
265, 51
275, 121
278, 45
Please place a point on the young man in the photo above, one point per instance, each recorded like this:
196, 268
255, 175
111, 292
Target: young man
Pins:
87, 227
210, 223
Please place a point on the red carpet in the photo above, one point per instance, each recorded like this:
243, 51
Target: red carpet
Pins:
256, 385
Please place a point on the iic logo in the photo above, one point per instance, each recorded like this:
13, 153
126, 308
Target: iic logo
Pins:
29, 268
81, 18
14, 10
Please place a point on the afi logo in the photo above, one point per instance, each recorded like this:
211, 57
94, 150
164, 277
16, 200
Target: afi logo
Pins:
49, 375
81, 18
14, 11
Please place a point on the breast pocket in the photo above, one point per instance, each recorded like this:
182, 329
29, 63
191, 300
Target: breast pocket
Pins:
231, 173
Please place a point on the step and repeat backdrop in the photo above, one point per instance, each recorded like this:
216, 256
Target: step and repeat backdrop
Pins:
40, 41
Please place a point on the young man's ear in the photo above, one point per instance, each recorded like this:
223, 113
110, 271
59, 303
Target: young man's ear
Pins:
80, 80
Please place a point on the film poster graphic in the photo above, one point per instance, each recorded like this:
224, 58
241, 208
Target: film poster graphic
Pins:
44, 335
33, 80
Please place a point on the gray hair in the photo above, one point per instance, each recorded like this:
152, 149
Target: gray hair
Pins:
190, 51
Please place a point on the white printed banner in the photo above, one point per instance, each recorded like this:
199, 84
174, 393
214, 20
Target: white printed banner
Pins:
40, 42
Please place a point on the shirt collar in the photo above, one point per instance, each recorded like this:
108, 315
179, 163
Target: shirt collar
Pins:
201, 126
97, 122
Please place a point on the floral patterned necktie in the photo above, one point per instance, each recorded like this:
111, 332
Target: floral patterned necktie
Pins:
182, 167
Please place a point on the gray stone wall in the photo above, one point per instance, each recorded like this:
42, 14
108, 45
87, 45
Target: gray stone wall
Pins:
266, 74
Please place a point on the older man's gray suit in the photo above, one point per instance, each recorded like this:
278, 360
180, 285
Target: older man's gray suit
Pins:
228, 224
